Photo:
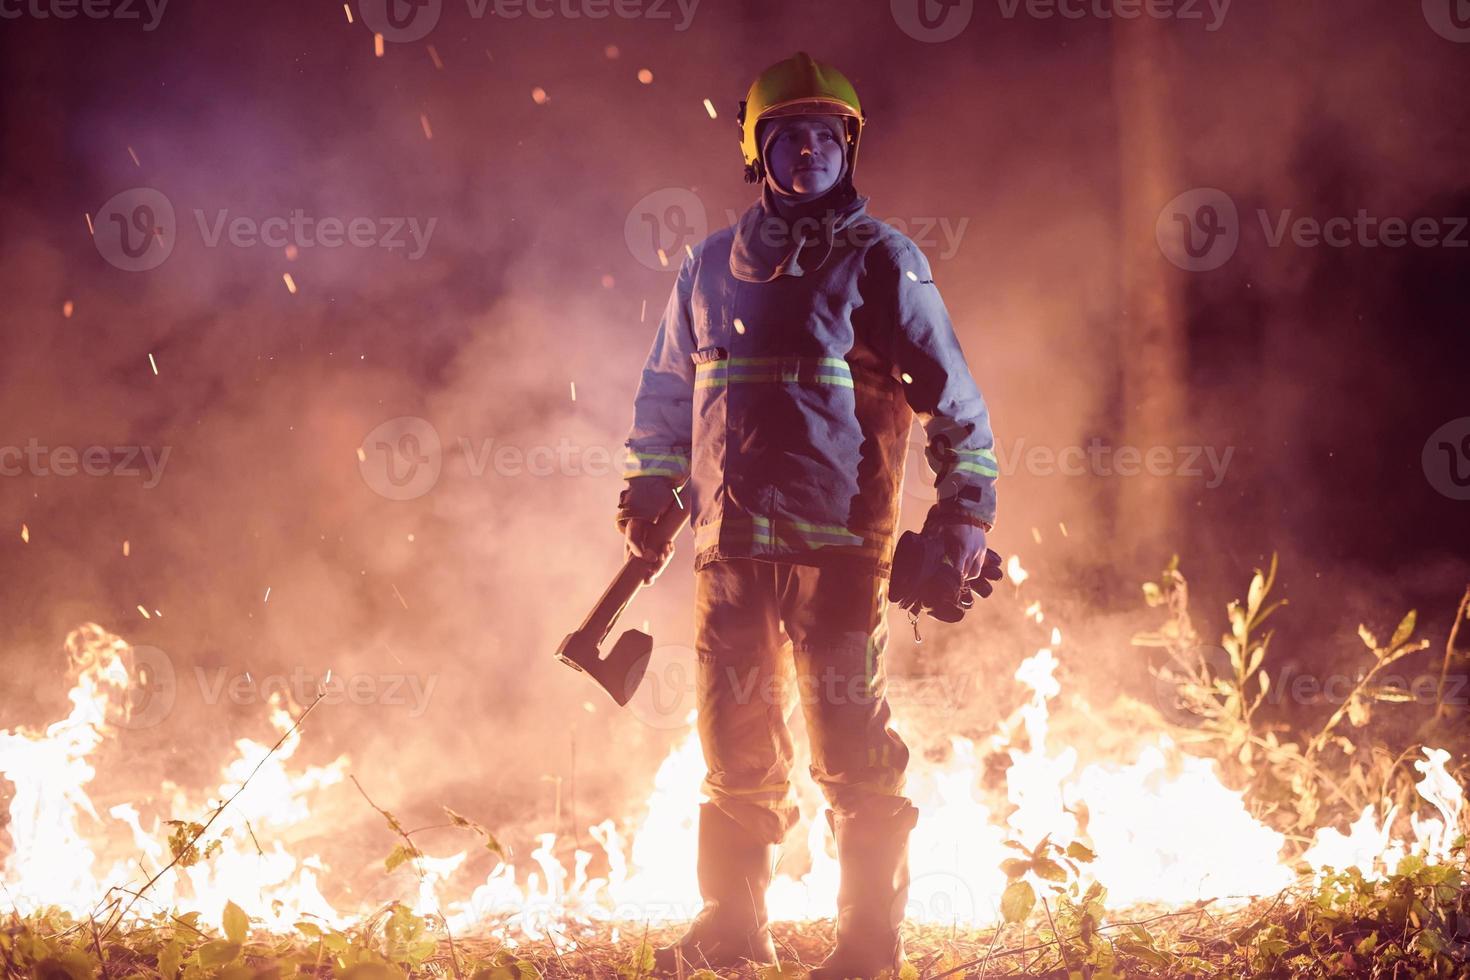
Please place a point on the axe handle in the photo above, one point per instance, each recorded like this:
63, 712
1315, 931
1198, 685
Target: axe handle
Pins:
629, 579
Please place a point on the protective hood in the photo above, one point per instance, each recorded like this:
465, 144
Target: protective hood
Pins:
777, 237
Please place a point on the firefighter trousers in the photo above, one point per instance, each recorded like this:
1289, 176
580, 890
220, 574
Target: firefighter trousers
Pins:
770, 635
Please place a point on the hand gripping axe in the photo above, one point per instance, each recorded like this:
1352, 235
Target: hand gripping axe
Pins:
621, 671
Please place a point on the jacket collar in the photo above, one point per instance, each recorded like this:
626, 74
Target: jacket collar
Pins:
777, 238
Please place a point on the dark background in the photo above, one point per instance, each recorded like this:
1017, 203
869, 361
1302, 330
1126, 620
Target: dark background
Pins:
1325, 369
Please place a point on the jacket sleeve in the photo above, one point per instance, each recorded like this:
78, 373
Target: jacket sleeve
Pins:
941, 391
659, 442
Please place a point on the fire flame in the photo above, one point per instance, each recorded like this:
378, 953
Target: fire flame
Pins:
1144, 821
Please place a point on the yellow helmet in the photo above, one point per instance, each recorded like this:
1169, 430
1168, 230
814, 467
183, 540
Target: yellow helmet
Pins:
798, 86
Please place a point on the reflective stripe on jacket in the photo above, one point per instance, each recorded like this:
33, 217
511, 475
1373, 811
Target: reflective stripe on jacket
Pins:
787, 404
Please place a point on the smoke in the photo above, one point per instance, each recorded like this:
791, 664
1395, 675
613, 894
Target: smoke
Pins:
510, 327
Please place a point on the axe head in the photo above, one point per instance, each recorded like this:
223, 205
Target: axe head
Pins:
620, 672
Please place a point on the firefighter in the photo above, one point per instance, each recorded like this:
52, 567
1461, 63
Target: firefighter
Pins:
793, 354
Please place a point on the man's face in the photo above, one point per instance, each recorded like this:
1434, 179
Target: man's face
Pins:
805, 153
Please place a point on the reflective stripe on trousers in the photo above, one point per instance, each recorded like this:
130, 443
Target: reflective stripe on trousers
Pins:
835, 619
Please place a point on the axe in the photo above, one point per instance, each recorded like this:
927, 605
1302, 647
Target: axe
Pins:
621, 671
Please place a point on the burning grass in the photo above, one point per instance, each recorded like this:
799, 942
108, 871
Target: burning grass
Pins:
1214, 851
1413, 923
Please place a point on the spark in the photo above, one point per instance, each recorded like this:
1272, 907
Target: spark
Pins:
608, 282
291, 252
1063, 527
645, 76
152, 362
424, 121
267, 594
290, 283
67, 308
90, 230
709, 107
378, 45
574, 390
361, 455
539, 96
143, 611
643, 311
611, 52
688, 251
663, 258
401, 601
1036, 535
25, 534
907, 378
1015, 571
125, 547
912, 277
739, 325
347, 9
132, 153
434, 57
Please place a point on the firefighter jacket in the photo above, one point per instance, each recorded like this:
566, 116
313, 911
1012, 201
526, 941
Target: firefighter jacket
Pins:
787, 404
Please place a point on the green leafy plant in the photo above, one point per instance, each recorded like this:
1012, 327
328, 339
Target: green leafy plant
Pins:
1289, 778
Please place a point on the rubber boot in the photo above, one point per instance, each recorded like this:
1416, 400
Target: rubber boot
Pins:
734, 871
873, 854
